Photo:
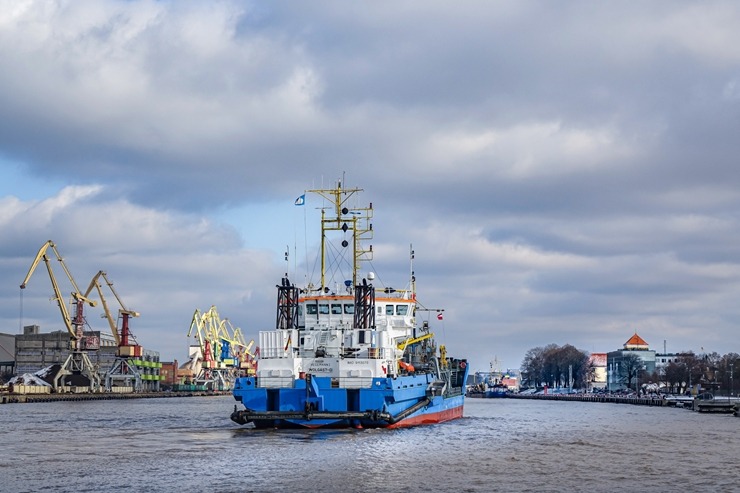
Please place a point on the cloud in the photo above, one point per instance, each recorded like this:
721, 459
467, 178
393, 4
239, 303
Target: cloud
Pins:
565, 173
164, 265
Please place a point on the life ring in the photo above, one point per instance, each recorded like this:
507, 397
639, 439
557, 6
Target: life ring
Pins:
462, 365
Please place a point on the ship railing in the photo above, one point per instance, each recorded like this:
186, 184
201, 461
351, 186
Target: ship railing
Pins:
275, 382
336, 382
275, 353
352, 382
351, 353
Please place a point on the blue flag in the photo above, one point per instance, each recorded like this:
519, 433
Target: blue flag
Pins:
301, 200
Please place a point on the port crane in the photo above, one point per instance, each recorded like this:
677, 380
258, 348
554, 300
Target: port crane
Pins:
245, 358
124, 369
221, 354
202, 364
78, 362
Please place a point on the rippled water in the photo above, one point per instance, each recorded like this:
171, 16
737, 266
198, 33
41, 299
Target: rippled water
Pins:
189, 444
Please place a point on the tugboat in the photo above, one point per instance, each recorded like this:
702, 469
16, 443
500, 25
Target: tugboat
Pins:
343, 357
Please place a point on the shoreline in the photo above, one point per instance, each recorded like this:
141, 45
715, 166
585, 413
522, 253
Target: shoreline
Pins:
716, 405
33, 398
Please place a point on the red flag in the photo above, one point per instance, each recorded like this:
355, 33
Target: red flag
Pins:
439, 316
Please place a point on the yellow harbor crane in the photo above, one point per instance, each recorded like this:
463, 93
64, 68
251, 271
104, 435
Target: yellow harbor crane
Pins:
202, 363
221, 354
121, 337
245, 357
78, 362
127, 370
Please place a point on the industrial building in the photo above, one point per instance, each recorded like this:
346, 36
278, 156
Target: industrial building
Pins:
7, 355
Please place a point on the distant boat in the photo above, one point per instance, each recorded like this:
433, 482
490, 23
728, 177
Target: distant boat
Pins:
489, 384
340, 356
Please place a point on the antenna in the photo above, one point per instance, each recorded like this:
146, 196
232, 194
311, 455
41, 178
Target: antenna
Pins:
287, 260
411, 264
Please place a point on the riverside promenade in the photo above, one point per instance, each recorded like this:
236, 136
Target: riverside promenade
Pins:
614, 399
714, 405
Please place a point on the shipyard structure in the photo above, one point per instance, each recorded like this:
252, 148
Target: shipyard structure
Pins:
81, 359
44, 355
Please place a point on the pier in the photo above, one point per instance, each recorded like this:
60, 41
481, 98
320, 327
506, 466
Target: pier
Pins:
7, 398
614, 399
716, 405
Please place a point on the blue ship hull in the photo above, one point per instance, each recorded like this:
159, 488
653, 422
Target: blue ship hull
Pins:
315, 403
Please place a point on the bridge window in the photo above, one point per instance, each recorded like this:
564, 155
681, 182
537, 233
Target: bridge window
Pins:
389, 309
336, 308
402, 309
312, 309
324, 309
349, 309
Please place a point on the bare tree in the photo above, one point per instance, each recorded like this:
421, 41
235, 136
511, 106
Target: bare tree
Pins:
630, 367
532, 367
554, 365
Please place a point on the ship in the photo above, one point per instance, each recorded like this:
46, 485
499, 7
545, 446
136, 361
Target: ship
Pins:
345, 353
490, 384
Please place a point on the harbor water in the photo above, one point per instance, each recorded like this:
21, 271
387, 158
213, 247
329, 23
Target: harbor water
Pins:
508, 445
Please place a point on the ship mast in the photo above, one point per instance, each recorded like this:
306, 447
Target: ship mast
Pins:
413, 276
345, 219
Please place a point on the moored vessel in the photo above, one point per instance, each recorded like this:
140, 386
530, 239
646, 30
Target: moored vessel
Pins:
345, 355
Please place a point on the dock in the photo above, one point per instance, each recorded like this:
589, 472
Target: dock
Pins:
7, 398
716, 405
614, 399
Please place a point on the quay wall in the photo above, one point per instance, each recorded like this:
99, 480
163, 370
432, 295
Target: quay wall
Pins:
30, 398
641, 401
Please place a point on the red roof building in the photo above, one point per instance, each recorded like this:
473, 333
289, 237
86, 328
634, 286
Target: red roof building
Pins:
636, 343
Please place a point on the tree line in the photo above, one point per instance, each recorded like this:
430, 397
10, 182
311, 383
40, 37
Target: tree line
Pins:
712, 371
556, 366
566, 366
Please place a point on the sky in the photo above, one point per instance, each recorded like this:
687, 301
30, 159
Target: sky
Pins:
566, 171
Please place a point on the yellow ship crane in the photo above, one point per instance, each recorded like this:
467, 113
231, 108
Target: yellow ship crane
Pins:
77, 362
413, 340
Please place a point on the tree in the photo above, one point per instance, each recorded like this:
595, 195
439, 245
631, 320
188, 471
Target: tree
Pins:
532, 367
553, 365
675, 374
727, 368
630, 367
694, 367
